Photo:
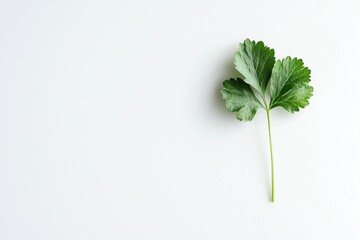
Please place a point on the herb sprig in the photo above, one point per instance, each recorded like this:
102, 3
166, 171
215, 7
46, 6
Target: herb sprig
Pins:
289, 86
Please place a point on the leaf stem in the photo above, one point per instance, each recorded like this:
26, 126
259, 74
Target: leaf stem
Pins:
271, 155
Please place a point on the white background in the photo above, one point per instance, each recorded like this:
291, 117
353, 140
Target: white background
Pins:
112, 125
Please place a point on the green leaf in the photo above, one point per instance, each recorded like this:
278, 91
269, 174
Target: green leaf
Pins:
289, 85
240, 98
255, 61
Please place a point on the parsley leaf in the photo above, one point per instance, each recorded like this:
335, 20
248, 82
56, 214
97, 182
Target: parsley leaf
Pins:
240, 98
289, 86
255, 61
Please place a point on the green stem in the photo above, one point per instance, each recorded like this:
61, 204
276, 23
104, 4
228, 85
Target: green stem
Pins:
271, 155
